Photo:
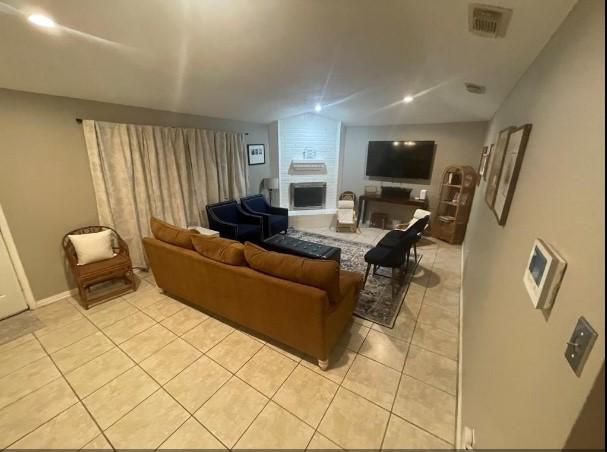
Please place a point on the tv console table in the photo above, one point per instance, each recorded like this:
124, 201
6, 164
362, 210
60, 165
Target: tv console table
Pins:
364, 200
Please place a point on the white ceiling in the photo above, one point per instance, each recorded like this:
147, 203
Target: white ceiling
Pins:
261, 60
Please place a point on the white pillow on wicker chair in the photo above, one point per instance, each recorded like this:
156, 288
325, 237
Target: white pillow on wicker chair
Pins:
93, 247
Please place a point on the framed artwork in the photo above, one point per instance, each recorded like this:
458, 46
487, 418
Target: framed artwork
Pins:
482, 164
496, 165
513, 159
256, 154
488, 161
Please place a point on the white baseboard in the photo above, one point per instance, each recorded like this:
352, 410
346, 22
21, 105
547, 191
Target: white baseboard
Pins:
56, 297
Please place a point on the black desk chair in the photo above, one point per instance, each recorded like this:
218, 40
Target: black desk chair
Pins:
395, 257
417, 228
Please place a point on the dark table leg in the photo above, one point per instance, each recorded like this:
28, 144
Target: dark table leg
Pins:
362, 205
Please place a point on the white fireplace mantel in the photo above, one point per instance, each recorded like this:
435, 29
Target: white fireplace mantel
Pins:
309, 166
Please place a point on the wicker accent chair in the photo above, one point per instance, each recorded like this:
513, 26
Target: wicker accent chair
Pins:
88, 275
346, 217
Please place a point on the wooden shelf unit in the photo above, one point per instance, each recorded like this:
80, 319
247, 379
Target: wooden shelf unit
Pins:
455, 201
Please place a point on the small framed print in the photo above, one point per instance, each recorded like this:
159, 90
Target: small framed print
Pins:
488, 162
256, 154
482, 165
513, 159
495, 170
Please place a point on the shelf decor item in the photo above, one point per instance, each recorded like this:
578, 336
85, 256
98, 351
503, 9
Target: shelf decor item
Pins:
497, 160
513, 159
457, 192
256, 154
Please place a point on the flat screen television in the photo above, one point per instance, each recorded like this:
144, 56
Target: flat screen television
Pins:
400, 159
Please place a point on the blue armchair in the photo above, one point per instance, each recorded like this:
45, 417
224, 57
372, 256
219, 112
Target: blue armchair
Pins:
275, 219
232, 222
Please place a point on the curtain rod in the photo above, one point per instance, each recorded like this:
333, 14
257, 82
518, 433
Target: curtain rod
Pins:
79, 121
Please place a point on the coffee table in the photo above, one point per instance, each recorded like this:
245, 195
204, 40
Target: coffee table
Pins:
289, 245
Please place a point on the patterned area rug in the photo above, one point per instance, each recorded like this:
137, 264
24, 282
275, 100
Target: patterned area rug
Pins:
375, 302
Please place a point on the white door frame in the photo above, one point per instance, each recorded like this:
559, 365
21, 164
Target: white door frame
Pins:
16, 261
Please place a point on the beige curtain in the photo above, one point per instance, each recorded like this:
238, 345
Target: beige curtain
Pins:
171, 173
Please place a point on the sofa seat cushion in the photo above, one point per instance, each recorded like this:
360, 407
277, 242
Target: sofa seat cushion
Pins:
226, 251
323, 275
172, 234
118, 262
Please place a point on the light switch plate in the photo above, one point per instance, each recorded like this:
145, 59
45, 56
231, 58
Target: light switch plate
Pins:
579, 345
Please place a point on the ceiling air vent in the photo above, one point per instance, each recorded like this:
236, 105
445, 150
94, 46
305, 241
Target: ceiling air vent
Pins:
488, 21
475, 89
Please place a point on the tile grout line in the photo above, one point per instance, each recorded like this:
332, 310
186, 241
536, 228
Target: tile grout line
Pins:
160, 386
402, 372
80, 401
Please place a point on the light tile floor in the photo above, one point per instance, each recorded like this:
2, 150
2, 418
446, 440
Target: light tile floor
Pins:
146, 371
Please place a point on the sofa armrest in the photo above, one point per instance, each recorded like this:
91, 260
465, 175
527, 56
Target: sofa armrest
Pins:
350, 281
244, 217
278, 211
224, 228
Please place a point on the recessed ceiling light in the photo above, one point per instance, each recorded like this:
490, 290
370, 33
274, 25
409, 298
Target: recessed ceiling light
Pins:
317, 108
395, 143
41, 21
408, 99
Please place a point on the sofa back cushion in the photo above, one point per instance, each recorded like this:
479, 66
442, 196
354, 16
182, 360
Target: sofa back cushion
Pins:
172, 234
321, 274
226, 251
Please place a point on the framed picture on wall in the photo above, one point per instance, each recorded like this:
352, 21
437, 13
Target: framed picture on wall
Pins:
482, 164
256, 154
496, 165
513, 159
488, 161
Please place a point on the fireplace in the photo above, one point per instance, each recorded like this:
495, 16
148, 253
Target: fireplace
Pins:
307, 195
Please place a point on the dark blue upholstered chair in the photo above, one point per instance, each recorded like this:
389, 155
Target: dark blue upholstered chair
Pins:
275, 219
232, 222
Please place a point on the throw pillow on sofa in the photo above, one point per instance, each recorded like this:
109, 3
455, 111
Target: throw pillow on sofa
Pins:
166, 232
93, 247
226, 251
321, 274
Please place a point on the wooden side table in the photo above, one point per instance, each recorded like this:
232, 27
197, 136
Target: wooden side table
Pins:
205, 231
379, 219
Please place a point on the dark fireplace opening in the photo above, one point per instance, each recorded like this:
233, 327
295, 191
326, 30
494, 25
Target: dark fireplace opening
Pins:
308, 195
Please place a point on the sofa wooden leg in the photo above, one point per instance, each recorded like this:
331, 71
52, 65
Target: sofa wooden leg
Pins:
323, 364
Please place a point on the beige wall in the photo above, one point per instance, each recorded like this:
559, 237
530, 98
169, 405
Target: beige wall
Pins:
456, 144
518, 390
45, 184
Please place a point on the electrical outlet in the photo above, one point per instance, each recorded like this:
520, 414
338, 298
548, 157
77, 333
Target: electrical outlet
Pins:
468, 438
578, 347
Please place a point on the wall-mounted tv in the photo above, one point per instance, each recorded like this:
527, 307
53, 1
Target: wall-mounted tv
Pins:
400, 159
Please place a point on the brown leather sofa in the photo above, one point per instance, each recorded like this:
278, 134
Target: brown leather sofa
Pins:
255, 288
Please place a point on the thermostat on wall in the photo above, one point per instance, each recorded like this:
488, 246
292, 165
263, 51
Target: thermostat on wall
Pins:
543, 274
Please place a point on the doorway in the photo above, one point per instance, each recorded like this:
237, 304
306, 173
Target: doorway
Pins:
12, 295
